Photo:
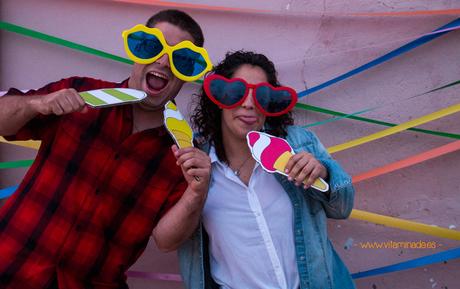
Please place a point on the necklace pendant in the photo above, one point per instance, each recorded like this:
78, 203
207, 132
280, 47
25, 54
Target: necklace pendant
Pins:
237, 173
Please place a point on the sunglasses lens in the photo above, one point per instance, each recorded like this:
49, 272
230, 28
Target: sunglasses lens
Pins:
188, 62
227, 93
143, 45
273, 101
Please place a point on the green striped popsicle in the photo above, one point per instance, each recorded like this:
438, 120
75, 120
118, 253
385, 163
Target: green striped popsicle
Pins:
112, 96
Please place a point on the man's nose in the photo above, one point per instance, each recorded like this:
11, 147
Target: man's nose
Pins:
164, 60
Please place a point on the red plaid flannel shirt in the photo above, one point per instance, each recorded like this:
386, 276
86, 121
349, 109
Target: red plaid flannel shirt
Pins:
86, 208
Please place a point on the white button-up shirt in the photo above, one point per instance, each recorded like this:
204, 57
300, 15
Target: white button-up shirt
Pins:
250, 230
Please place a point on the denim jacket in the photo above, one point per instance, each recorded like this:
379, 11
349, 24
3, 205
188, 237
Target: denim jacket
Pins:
318, 264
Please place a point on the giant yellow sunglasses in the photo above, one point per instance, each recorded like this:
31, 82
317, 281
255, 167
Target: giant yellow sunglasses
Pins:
145, 45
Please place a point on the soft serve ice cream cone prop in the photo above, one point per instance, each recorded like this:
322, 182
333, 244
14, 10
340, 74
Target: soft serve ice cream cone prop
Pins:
177, 126
273, 153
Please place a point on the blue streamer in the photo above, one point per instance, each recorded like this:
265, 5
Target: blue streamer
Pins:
5, 193
403, 49
422, 261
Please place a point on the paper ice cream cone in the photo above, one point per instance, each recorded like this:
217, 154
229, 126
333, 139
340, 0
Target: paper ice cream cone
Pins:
112, 96
177, 126
281, 161
273, 154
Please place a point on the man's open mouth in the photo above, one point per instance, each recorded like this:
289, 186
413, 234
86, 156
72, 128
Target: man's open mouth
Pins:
156, 81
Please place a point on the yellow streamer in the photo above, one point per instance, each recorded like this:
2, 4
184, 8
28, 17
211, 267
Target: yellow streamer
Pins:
406, 225
403, 126
28, 144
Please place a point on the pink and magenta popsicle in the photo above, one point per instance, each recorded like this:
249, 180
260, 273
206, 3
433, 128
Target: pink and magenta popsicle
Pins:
273, 153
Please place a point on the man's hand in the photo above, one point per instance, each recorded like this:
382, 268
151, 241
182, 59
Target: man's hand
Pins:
196, 167
61, 102
302, 166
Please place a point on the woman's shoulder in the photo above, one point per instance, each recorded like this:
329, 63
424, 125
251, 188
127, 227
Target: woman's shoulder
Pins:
299, 134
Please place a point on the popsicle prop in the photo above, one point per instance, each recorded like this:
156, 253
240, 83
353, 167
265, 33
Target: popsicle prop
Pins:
273, 153
177, 126
112, 96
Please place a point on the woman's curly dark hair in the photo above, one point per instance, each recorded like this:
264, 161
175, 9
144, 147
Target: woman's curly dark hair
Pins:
206, 116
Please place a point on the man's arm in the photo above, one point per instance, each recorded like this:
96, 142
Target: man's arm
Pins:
182, 219
16, 110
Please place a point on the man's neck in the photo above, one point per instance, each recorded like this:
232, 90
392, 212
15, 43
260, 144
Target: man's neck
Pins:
145, 119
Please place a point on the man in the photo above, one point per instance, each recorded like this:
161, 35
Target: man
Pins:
103, 179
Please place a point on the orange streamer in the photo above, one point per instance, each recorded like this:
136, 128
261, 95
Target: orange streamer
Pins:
442, 150
172, 4
196, 6
411, 13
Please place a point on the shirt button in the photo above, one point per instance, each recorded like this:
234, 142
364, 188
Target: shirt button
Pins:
296, 204
302, 257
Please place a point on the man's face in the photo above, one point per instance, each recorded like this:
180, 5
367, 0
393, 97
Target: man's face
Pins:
157, 79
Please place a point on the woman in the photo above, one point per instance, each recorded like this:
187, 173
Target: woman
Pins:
262, 230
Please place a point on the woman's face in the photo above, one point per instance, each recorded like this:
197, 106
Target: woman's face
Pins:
237, 122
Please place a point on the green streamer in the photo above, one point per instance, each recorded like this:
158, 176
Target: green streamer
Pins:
337, 113
444, 86
16, 164
59, 41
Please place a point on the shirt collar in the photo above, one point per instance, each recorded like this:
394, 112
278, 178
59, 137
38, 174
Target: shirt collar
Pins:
215, 159
213, 155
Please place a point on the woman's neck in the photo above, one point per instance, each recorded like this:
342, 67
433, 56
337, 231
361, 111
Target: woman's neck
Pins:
239, 158
235, 148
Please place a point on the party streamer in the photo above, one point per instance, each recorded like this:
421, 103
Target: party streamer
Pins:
380, 106
69, 44
341, 117
415, 122
6, 192
405, 225
444, 86
154, 276
196, 6
16, 164
439, 151
445, 256
59, 41
374, 121
419, 262
401, 50
412, 13
28, 144
286, 11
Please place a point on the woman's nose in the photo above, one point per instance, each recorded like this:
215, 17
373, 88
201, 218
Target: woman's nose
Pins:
249, 101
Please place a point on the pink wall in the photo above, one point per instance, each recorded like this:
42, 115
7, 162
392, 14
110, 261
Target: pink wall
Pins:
308, 49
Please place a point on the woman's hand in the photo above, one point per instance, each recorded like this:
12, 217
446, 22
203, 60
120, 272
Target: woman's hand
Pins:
196, 167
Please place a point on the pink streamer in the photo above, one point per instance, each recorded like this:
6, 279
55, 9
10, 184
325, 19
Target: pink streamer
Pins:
154, 276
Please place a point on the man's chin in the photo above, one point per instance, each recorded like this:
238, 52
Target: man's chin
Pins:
152, 106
